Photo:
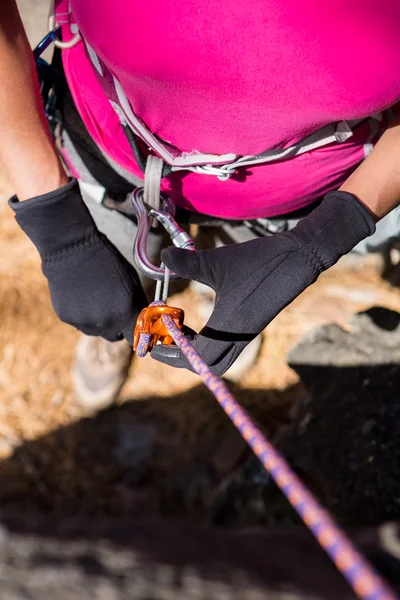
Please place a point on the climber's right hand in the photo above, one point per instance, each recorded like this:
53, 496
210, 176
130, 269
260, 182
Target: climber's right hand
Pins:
92, 286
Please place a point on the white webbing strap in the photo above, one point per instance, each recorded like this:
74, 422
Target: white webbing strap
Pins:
334, 132
152, 182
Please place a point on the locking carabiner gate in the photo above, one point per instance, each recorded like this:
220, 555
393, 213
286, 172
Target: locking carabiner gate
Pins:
179, 237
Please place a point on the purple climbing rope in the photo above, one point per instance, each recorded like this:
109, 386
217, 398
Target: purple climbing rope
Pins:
143, 345
365, 582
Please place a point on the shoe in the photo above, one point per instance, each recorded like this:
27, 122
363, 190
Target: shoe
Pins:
250, 354
100, 370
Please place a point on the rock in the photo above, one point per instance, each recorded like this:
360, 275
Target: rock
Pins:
344, 438
373, 339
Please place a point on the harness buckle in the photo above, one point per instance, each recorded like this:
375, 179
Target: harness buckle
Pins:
223, 173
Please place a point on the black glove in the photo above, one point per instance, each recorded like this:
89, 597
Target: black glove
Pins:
92, 286
255, 280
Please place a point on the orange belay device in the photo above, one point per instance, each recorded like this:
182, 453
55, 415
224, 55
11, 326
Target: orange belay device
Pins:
150, 328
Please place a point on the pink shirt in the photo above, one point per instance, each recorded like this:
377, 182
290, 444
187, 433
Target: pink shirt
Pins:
222, 76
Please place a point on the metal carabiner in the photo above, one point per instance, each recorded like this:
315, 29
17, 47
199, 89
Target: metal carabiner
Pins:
178, 236
48, 39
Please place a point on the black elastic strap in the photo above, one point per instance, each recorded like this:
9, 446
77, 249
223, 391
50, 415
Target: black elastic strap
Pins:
140, 158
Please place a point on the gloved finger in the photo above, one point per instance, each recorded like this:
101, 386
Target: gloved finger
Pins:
107, 335
171, 354
127, 333
188, 264
189, 333
219, 355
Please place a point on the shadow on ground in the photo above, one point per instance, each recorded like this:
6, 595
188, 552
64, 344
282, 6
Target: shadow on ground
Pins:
163, 456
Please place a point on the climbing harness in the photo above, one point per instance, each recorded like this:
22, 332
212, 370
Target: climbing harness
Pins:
163, 158
174, 159
160, 323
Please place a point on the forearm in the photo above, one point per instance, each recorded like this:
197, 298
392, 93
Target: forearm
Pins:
27, 152
376, 182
